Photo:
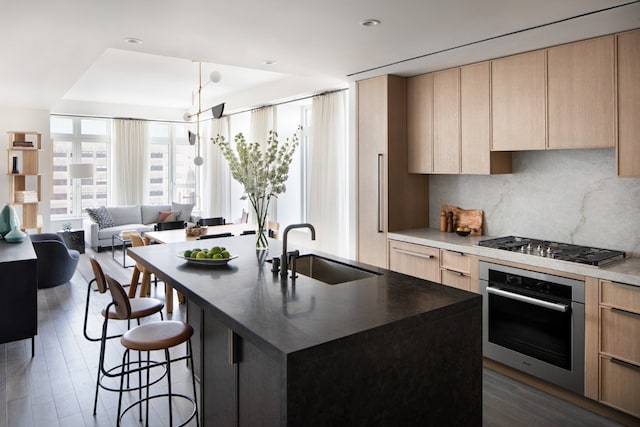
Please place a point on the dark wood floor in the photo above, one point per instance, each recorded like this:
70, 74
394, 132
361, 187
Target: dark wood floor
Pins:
56, 387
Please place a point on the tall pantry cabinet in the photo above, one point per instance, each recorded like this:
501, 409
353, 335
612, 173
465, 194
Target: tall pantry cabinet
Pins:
389, 197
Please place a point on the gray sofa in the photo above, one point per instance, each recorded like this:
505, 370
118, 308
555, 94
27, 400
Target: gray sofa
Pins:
140, 218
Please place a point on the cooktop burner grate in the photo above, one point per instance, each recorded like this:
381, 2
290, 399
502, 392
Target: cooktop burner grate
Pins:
562, 251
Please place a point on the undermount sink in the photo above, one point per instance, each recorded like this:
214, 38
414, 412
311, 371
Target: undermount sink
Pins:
329, 271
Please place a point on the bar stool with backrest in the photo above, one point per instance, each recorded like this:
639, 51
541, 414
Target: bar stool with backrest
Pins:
148, 337
140, 307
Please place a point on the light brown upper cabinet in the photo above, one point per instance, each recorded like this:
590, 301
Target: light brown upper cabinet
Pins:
581, 94
475, 123
446, 121
420, 123
629, 104
518, 102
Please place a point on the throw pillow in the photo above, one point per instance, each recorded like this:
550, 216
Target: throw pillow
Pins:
184, 209
168, 216
101, 216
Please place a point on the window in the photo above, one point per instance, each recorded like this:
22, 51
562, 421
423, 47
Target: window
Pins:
290, 207
78, 140
172, 175
292, 204
172, 172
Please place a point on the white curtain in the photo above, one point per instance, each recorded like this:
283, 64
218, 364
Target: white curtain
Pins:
215, 188
328, 173
262, 121
130, 176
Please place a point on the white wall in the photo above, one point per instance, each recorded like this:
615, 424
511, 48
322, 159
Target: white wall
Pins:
570, 196
16, 119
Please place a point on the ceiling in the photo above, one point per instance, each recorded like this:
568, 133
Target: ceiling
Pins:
70, 56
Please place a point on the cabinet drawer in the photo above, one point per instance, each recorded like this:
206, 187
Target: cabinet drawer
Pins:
620, 330
618, 295
455, 261
620, 385
455, 279
414, 260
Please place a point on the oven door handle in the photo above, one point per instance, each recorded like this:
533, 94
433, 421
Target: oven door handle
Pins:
550, 305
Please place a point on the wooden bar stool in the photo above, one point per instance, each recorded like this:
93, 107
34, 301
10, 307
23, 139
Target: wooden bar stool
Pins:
140, 307
145, 289
148, 337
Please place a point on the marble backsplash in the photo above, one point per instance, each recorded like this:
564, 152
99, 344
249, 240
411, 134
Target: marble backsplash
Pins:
570, 196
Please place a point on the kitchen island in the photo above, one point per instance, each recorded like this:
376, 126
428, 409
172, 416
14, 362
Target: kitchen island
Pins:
388, 349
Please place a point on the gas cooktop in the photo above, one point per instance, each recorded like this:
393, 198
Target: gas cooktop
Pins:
563, 251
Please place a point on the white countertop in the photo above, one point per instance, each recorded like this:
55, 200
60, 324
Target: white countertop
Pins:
627, 271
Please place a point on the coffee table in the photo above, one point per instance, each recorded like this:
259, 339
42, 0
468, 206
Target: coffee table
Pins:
124, 242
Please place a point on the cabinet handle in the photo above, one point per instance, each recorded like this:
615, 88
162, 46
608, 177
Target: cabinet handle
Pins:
416, 254
380, 214
625, 312
231, 347
459, 273
625, 364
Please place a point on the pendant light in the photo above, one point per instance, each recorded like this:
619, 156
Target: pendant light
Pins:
194, 139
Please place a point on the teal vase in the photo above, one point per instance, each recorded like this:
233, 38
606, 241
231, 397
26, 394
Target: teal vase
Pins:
10, 225
5, 220
15, 235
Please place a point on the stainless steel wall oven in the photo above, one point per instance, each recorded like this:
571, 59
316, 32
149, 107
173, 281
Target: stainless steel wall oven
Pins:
534, 322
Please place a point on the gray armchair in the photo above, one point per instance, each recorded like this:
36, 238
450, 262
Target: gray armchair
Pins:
56, 262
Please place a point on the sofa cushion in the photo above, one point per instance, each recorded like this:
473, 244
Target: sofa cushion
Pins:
101, 216
168, 216
150, 212
106, 233
184, 209
125, 214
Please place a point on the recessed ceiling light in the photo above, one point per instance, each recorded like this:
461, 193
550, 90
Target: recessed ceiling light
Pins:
132, 40
370, 22
269, 62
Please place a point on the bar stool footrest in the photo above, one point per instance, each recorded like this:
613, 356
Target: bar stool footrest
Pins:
157, 396
151, 364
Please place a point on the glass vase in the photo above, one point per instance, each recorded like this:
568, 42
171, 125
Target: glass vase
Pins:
261, 208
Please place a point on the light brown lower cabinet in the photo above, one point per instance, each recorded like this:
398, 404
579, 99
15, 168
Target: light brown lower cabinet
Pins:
459, 270
620, 385
415, 260
619, 349
451, 268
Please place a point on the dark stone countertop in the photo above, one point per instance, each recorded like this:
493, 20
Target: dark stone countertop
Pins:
281, 318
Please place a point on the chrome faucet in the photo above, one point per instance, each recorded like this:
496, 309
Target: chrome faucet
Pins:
284, 259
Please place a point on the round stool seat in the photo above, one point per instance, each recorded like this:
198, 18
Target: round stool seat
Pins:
140, 307
157, 335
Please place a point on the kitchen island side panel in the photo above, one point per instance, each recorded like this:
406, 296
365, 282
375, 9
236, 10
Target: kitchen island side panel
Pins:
19, 286
423, 371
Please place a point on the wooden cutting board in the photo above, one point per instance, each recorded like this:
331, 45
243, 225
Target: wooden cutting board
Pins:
472, 218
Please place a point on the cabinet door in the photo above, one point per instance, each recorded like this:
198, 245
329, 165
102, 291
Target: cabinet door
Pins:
476, 156
618, 329
258, 387
420, 123
518, 102
620, 385
219, 377
628, 153
372, 171
475, 118
581, 86
446, 121
414, 260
